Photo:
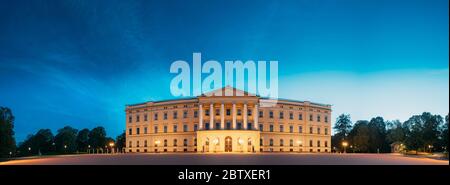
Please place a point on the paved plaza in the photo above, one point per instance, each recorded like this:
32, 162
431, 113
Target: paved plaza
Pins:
226, 159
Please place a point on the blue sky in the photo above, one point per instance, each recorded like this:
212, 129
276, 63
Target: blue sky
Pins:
79, 63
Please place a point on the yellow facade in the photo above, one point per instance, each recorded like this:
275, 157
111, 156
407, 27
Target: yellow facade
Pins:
214, 123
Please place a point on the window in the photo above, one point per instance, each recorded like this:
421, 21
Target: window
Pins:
145, 117
130, 131
239, 112
228, 112
318, 118
195, 127
137, 118
271, 142
165, 116
249, 112
175, 142
228, 125
291, 142
207, 112
326, 131
310, 117
310, 143
217, 112
318, 143
326, 119
318, 130
165, 128
129, 119
281, 142
261, 142
217, 126
291, 115
195, 114
185, 142
310, 130
145, 143
137, 131
271, 114
271, 128
239, 125
175, 128
281, 128
291, 128
300, 129
137, 143
249, 126
300, 116
281, 115
145, 130
185, 114
261, 114
195, 142
261, 127
206, 126
156, 116
165, 142
175, 115
156, 129
130, 144
185, 128
326, 144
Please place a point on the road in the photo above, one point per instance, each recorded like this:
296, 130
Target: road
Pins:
226, 159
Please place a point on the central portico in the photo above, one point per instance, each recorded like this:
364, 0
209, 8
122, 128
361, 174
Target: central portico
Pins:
230, 122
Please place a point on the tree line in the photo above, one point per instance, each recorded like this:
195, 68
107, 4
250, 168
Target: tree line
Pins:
67, 140
420, 133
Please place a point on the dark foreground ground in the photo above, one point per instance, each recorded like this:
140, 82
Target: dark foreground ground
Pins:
227, 159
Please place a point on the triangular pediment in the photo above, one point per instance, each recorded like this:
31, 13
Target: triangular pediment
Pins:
228, 91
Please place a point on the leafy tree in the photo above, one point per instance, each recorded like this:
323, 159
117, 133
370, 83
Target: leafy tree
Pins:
7, 140
396, 132
43, 141
431, 126
377, 135
65, 140
444, 134
97, 138
414, 139
83, 140
120, 141
359, 136
342, 127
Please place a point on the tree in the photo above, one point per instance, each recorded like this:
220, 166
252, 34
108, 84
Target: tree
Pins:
7, 140
359, 136
39, 143
120, 141
431, 133
444, 134
342, 127
97, 137
396, 132
83, 140
414, 139
377, 135
65, 140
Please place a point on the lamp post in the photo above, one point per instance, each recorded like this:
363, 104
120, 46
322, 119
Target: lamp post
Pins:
111, 144
157, 142
299, 145
345, 144
89, 149
240, 144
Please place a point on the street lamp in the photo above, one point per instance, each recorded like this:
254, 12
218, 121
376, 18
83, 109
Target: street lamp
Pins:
299, 145
157, 142
345, 144
111, 144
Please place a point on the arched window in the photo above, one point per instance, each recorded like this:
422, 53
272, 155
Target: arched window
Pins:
281, 142
310, 143
318, 143
271, 142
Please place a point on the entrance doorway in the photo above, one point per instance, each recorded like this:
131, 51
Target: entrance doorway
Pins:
228, 144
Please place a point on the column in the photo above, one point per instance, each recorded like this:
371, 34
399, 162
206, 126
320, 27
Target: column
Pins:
255, 116
234, 116
222, 116
245, 116
200, 120
211, 116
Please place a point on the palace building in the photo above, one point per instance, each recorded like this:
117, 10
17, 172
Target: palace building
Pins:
210, 123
